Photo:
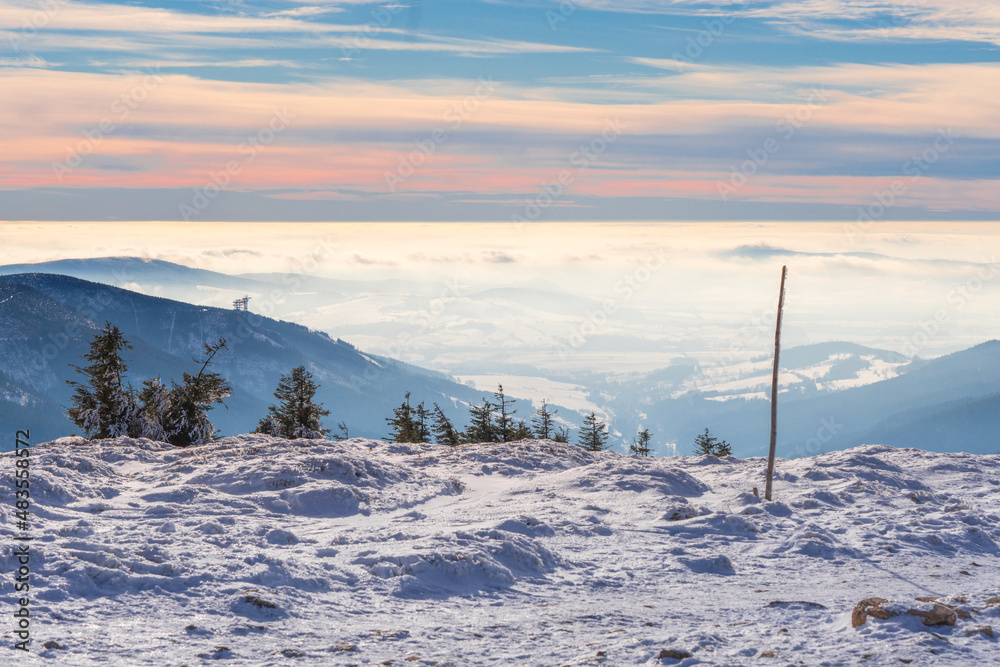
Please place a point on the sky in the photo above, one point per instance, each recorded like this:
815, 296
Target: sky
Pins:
504, 110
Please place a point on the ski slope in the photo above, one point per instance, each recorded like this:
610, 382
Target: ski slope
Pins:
256, 551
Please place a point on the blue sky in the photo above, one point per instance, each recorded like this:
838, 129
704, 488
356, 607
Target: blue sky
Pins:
495, 110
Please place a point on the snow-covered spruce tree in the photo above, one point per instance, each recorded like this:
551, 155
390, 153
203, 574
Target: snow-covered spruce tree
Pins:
104, 406
296, 415
708, 445
186, 422
155, 400
640, 444
594, 434
542, 421
269, 426
408, 423
444, 430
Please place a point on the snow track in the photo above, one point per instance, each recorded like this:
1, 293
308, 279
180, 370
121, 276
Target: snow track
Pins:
258, 551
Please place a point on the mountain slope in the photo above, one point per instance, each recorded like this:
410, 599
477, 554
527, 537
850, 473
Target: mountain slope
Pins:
897, 410
49, 321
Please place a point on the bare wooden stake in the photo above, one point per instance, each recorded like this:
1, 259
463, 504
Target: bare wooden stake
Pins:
774, 387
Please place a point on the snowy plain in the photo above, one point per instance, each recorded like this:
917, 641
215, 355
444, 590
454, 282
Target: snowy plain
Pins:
259, 551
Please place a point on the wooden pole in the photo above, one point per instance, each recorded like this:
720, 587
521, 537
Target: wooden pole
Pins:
774, 387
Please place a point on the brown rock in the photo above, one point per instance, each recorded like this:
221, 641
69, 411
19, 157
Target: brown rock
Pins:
985, 629
942, 614
992, 601
869, 607
673, 654
961, 613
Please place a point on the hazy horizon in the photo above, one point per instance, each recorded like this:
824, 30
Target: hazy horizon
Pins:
693, 289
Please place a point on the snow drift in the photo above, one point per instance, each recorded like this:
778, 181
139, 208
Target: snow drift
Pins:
256, 550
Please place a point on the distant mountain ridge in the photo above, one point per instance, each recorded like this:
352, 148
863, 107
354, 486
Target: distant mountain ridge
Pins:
867, 395
944, 404
48, 321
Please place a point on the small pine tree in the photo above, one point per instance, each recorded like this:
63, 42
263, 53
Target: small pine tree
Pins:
155, 400
481, 427
408, 423
186, 419
103, 406
640, 444
422, 427
444, 430
708, 445
704, 444
594, 434
296, 415
269, 426
505, 422
561, 435
542, 421
520, 432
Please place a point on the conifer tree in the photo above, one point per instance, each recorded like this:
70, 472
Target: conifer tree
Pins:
104, 406
594, 434
520, 431
444, 430
186, 421
155, 400
723, 449
408, 423
561, 435
708, 445
423, 429
481, 427
542, 421
640, 444
296, 415
505, 422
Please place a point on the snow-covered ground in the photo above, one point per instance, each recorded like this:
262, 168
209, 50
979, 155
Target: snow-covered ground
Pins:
260, 551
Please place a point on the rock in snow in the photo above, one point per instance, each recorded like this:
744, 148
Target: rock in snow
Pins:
257, 550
